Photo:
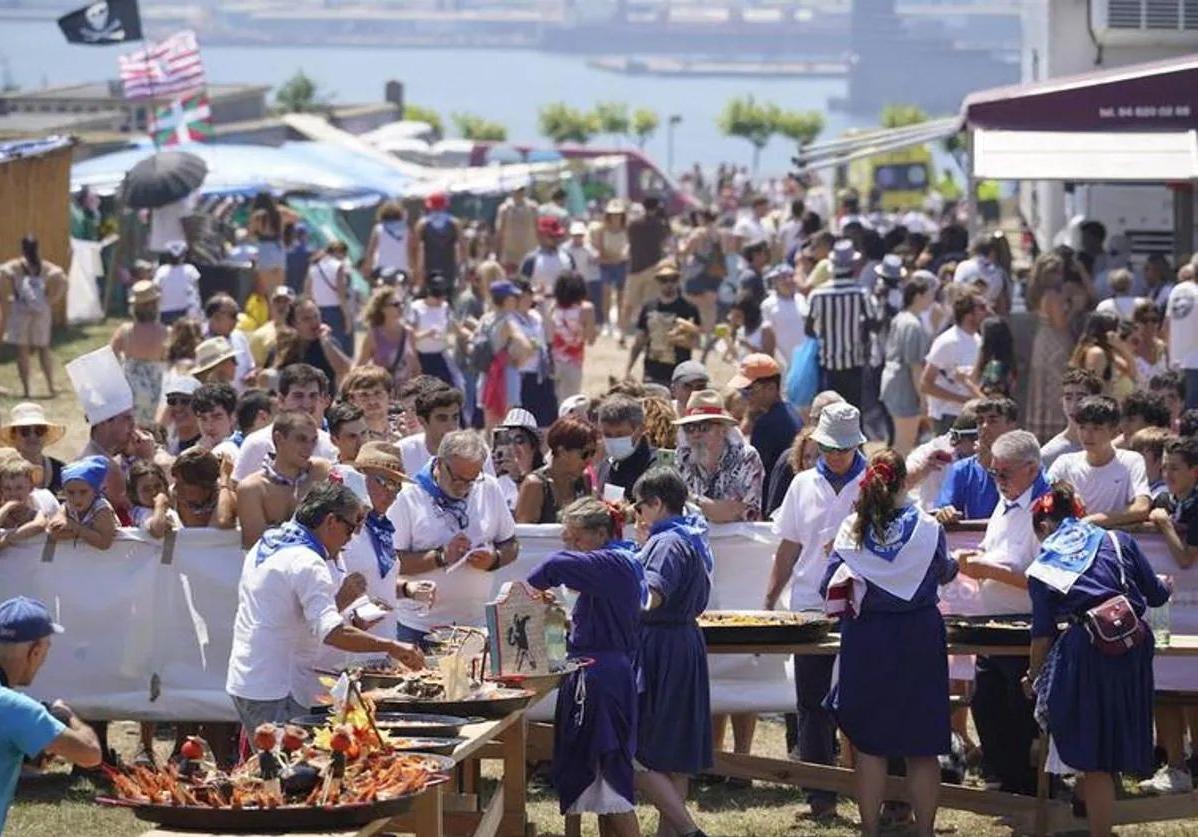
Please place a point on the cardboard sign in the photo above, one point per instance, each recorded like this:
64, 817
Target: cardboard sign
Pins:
516, 631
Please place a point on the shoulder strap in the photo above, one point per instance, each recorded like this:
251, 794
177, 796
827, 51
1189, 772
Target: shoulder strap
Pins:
1118, 559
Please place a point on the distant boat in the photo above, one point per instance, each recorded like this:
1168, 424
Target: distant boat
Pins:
731, 68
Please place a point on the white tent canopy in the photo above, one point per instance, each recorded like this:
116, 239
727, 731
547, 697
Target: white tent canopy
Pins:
1102, 156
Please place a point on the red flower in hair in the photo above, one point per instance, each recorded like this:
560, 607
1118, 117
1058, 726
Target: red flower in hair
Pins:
616, 513
1043, 505
1079, 508
882, 471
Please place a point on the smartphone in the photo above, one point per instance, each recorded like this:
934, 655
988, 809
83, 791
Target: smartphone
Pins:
666, 457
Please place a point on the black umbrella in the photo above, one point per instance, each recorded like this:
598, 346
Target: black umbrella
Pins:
163, 178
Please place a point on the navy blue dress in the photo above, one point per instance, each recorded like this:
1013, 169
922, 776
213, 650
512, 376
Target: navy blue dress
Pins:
595, 721
891, 693
1099, 707
674, 721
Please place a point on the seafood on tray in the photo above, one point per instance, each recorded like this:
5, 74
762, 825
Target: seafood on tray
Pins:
756, 618
291, 772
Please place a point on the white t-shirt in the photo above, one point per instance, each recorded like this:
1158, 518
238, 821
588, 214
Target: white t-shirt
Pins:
425, 317
1120, 306
586, 261
462, 590
927, 493
285, 608
179, 285
810, 515
392, 248
1010, 541
323, 276
240, 342
166, 223
358, 556
954, 354
788, 317
1183, 325
226, 448
1108, 489
261, 442
414, 450
980, 270
1056, 447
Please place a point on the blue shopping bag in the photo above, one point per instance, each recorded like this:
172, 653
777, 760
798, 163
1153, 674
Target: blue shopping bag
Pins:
802, 379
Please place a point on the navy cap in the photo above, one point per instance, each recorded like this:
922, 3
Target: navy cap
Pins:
25, 620
502, 289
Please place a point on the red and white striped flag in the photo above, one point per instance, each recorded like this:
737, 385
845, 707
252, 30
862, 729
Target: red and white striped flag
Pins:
168, 68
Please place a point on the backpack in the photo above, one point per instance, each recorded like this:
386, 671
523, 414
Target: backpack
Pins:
481, 351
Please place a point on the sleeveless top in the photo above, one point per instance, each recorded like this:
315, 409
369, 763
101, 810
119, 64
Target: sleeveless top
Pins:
611, 244
389, 354
324, 282
549, 507
440, 250
530, 325
392, 237
568, 343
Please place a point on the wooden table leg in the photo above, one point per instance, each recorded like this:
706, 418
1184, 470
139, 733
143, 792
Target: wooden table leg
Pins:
1042, 786
426, 816
573, 825
515, 780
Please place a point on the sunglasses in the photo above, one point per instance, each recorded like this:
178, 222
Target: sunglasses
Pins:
178, 400
354, 525
32, 431
830, 449
698, 427
386, 484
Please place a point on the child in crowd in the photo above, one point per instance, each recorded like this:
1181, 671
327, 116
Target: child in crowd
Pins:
20, 517
86, 515
151, 502
1150, 442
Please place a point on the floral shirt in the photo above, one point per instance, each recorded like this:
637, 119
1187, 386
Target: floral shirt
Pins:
738, 475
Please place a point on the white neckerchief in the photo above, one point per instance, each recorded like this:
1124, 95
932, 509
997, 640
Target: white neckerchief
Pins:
901, 575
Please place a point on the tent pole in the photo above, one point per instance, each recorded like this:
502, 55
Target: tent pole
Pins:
971, 198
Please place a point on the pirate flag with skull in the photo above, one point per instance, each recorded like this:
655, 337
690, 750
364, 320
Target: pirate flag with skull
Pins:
103, 22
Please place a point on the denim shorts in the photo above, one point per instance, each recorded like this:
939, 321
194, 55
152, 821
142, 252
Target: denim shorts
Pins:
614, 274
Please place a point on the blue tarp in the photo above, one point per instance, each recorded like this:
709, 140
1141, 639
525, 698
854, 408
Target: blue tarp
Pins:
235, 168
14, 149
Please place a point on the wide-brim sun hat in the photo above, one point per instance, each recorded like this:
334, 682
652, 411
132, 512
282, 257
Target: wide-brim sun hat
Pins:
705, 405
28, 414
381, 457
211, 353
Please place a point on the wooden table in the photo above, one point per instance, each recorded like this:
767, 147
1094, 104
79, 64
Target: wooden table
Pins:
1027, 814
455, 808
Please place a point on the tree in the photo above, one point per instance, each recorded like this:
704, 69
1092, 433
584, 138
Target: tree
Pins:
416, 113
611, 118
562, 123
299, 94
900, 116
802, 126
644, 125
473, 127
745, 118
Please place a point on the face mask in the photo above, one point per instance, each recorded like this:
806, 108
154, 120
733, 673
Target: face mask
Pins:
619, 448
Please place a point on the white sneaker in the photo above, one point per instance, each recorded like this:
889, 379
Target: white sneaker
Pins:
1168, 780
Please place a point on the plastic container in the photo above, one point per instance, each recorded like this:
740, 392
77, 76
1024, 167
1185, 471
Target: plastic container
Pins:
1159, 617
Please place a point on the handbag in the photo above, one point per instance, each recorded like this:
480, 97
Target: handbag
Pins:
1113, 626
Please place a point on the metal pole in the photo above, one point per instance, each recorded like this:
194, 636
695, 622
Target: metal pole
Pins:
673, 120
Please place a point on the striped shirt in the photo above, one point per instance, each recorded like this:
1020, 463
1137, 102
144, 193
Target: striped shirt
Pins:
841, 313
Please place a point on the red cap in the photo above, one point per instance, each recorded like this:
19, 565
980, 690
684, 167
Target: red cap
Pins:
436, 201
549, 225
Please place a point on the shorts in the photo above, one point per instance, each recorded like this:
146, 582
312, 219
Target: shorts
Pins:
270, 255
702, 283
254, 713
639, 289
28, 326
614, 274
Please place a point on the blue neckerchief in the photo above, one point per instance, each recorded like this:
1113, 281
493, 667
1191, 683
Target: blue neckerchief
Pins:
839, 481
237, 438
382, 538
889, 543
629, 549
289, 534
694, 529
452, 506
1072, 547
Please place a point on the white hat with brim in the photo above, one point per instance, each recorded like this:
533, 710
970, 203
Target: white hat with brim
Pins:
30, 415
180, 385
99, 381
839, 427
212, 352
705, 405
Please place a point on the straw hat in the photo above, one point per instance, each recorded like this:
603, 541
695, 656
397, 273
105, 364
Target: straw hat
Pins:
30, 415
36, 472
144, 292
382, 457
667, 269
615, 206
705, 405
212, 352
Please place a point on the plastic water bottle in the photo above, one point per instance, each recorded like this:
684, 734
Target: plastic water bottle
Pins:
1158, 617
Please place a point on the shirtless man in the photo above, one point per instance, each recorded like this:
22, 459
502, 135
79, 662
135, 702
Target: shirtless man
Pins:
269, 496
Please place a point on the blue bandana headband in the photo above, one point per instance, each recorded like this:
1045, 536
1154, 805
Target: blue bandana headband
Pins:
91, 470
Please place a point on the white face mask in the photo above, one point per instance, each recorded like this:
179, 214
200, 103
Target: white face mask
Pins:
619, 448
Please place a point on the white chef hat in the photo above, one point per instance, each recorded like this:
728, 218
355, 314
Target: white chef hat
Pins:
100, 384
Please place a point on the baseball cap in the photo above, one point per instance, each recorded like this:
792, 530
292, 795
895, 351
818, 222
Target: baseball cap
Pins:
25, 620
690, 370
753, 368
549, 225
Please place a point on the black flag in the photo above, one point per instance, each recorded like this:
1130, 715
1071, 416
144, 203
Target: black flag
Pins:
103, 22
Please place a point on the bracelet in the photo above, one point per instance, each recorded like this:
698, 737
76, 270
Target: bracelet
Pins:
403, 591
497, 564
439, 557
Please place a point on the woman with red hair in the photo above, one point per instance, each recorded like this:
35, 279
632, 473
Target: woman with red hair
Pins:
572, 444
891, 695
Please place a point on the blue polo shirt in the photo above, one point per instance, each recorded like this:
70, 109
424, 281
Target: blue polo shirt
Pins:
970, 489
26, 728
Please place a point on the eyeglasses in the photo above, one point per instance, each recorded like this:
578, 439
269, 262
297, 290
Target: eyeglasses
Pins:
698, 427
32, 431
384, 483
459, 480
178, 400
354, 525
1004, 474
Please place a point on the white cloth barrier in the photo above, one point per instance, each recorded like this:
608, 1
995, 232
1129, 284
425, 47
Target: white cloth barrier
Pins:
149, 640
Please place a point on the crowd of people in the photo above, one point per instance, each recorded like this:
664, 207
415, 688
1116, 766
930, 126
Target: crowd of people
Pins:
879, 396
